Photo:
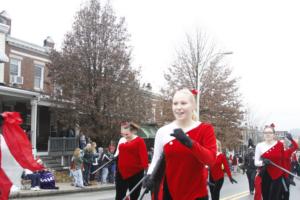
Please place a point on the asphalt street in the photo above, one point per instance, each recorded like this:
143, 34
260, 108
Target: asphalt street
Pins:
229, 191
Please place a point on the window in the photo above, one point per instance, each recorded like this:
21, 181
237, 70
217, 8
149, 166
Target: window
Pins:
15, 67
38, 77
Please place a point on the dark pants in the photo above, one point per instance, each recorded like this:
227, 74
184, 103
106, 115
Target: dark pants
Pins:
86, 173
93, 168
215, 190
123, 184
35, 179
286, 194
251, 176
271, 189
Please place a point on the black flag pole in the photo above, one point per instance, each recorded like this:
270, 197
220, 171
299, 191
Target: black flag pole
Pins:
285, 170
103, 165
156, 176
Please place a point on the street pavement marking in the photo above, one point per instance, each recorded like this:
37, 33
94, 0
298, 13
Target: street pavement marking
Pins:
236, 196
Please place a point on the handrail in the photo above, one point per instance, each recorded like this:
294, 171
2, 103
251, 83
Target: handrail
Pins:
62, 145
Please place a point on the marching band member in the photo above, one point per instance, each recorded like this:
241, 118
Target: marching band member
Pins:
188, 146
270, 150
216, 173
132, 160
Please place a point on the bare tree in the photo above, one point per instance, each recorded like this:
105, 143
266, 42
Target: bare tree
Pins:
220, 102
92, 76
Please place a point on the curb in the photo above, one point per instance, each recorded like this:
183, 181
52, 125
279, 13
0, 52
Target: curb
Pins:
41, 193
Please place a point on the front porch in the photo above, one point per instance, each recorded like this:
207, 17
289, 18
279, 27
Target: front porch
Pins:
38, 123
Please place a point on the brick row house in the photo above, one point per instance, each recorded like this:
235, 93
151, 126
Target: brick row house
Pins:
25, 86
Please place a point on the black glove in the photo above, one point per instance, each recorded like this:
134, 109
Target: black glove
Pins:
182, 137
232, 180
292, 182
148, 183
289, 136
266, 161
1, 119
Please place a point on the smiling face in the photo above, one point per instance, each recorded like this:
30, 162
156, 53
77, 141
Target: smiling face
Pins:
183, 105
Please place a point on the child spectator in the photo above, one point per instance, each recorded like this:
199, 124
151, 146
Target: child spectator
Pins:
76, 168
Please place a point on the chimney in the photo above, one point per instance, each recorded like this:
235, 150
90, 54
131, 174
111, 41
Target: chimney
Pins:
48, 42
5, 19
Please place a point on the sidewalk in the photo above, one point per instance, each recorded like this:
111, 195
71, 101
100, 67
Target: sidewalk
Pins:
64, 188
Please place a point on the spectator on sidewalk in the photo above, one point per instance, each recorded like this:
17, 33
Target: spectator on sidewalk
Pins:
82, 140
47, 180
108, 172
95, 163
87, 163
76, 168
112, 167
34, 177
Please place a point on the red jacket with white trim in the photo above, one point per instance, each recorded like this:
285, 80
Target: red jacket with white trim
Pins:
132, 158
216, 171
275, 154
185, 168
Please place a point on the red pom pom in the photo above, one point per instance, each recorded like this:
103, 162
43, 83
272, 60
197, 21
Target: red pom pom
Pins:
272, 125
194, 92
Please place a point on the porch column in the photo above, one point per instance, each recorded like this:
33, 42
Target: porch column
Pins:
3, 58
34, 104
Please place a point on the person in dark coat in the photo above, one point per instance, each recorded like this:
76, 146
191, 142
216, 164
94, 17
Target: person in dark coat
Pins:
250, 168
87, 163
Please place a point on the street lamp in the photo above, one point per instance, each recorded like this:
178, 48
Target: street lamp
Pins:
199, 75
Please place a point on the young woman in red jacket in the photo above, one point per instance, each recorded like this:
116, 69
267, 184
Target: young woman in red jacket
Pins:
270, 150
188, 145
132, 160
216, 173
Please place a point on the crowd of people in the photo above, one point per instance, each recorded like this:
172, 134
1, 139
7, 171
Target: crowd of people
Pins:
86, 161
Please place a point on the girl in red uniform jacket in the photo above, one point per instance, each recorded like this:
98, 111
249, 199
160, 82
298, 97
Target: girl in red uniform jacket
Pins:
132, 161
216, 173
188, 146
287, 163
271, 176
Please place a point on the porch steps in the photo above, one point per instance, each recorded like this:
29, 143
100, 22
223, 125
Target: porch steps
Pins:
53, 163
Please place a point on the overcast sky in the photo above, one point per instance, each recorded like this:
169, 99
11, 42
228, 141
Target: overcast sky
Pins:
263, 34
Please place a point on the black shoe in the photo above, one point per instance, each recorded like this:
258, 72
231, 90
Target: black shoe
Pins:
251, 192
